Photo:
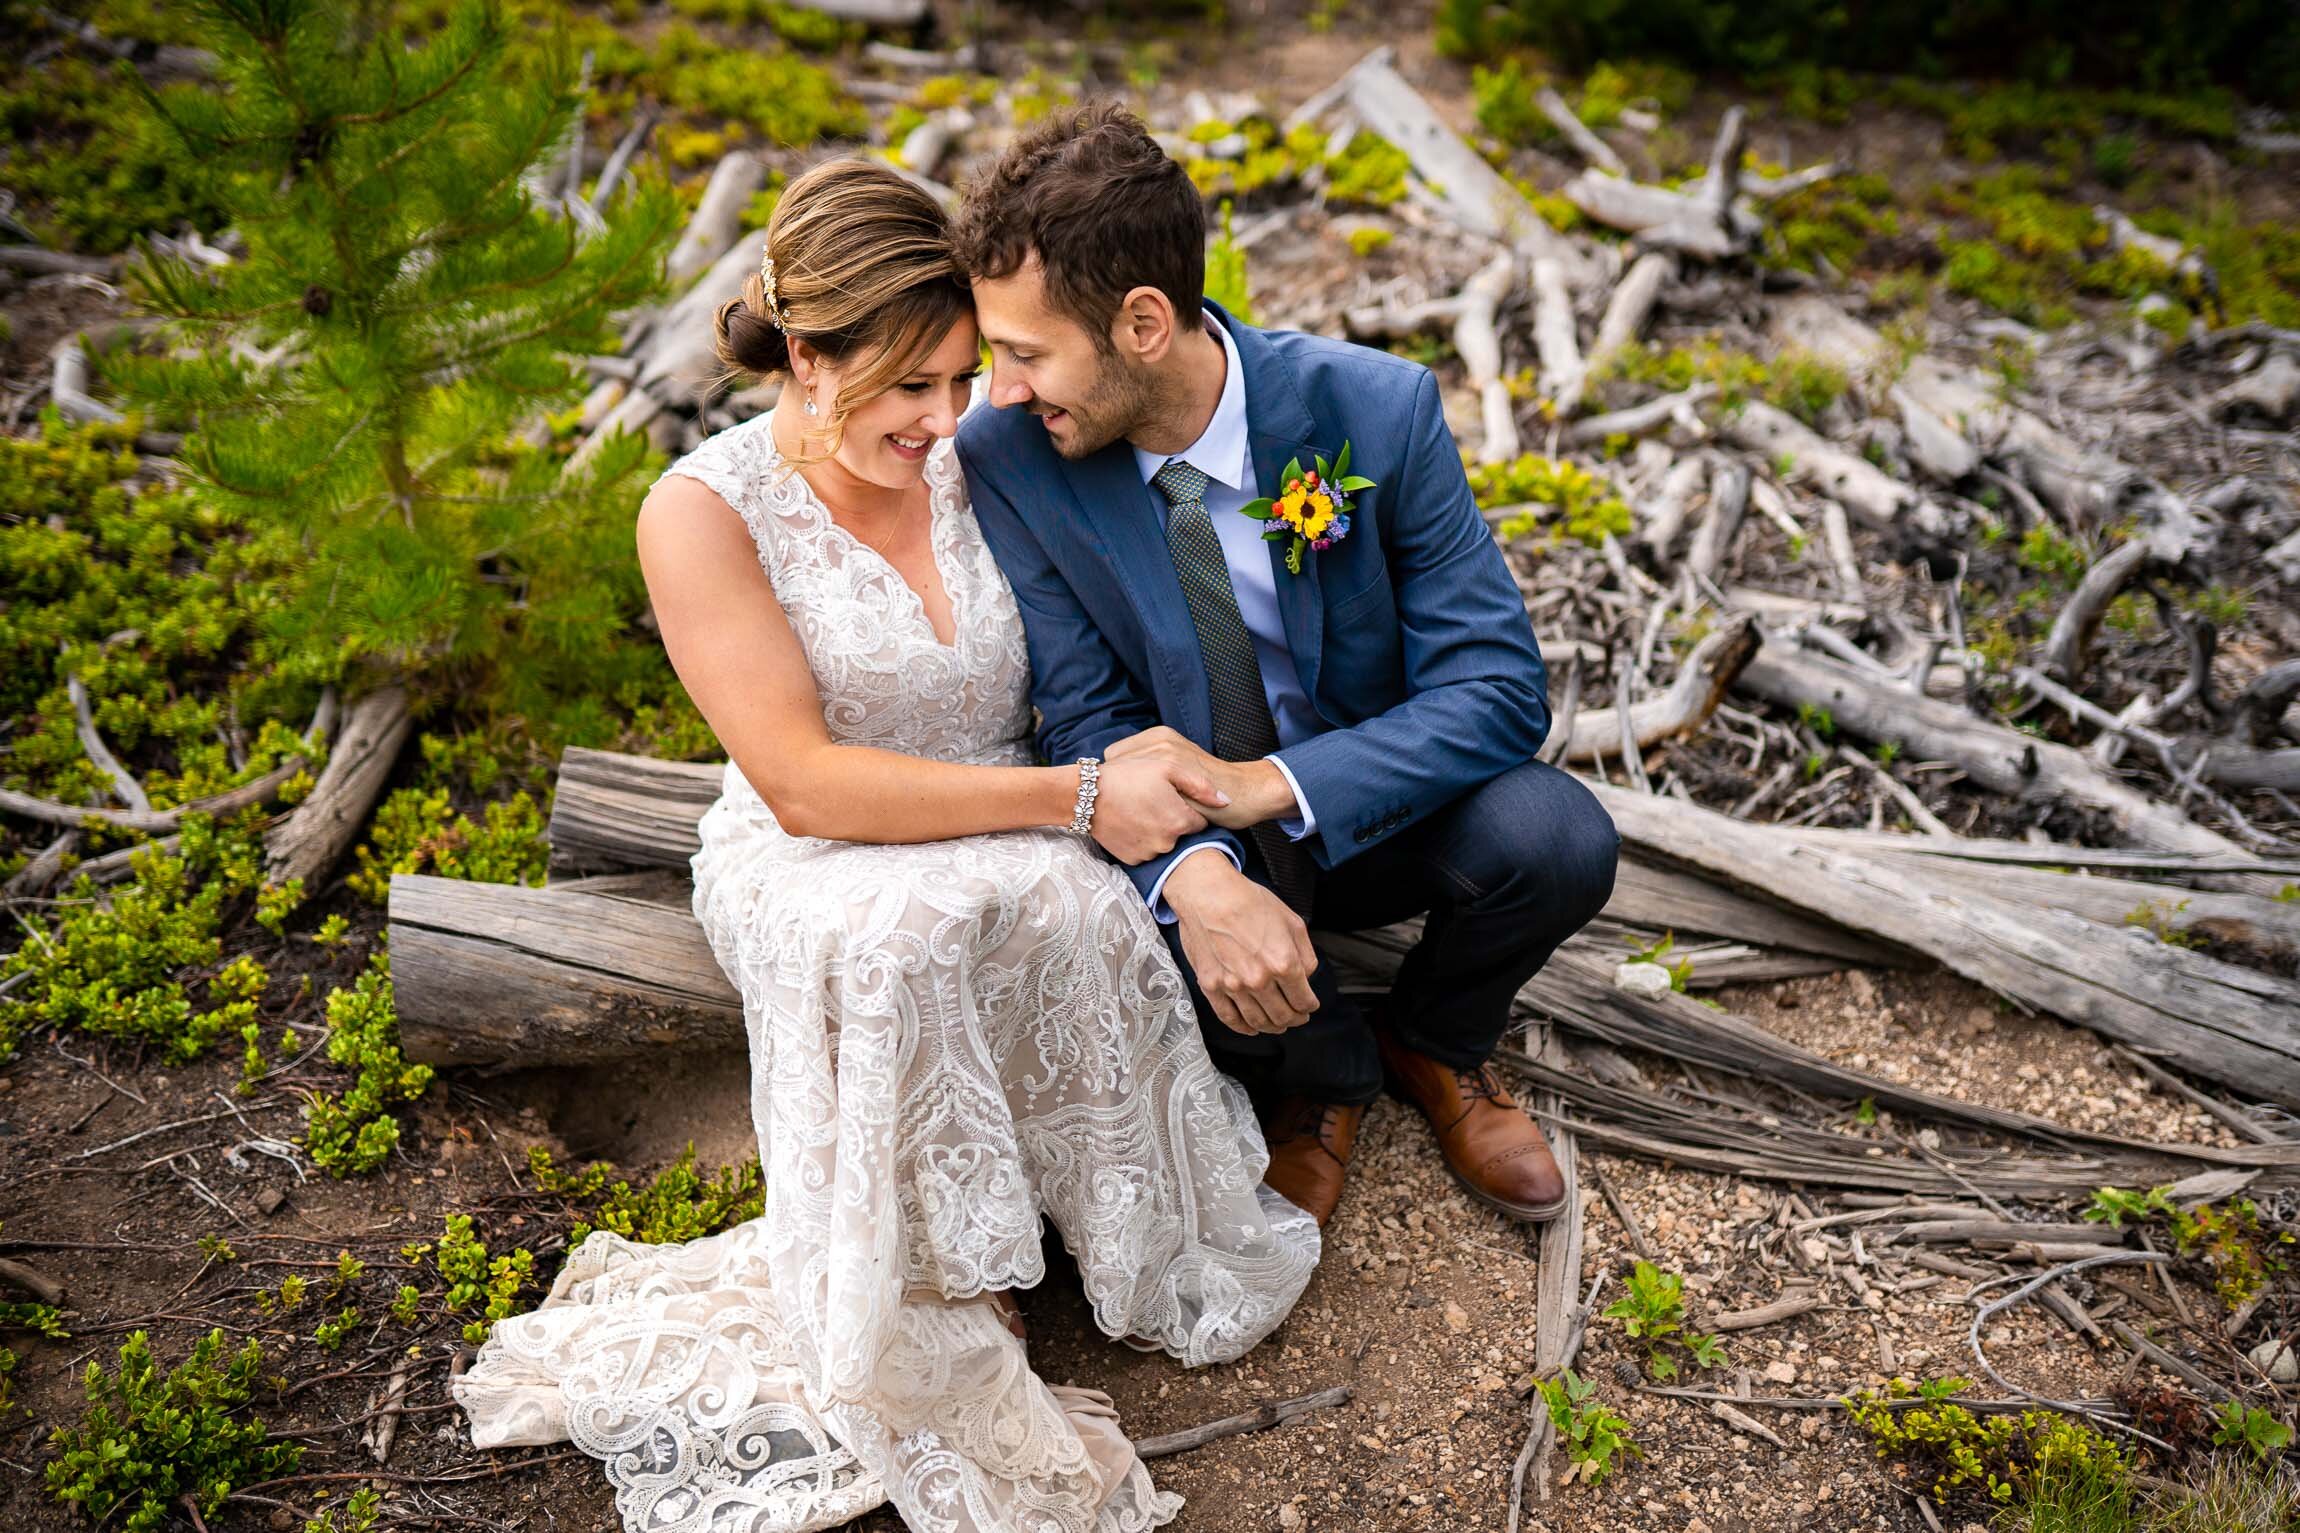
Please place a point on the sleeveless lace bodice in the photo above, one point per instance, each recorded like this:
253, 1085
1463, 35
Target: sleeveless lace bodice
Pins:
951, 1043
886, 679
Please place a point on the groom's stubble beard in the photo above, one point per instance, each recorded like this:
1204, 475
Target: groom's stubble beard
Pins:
1123, 398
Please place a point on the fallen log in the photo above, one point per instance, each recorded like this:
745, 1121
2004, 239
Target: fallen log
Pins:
2212, 1018
489, 974
611, 811
2000, 759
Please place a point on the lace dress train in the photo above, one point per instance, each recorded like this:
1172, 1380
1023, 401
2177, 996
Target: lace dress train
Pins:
949, 1042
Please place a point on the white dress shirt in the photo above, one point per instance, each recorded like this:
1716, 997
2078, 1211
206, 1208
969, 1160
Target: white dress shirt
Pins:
1223, 454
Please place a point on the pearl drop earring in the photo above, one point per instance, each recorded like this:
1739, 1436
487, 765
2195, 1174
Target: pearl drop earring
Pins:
810, 400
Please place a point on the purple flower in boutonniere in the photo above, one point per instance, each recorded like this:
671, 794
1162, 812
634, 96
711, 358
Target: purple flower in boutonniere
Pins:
1312, 509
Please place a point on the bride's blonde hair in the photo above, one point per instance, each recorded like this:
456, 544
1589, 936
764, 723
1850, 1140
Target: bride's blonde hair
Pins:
862, 270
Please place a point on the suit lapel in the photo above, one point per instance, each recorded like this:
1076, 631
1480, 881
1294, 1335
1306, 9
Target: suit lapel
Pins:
1279, 428
1120, 512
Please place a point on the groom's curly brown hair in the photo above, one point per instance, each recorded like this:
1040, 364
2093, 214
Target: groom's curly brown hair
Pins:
1104, 209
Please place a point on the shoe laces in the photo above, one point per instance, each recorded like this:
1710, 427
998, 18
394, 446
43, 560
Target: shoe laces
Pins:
1479, 1083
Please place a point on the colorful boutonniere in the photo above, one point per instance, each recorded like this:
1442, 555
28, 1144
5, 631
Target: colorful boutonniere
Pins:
1314, 508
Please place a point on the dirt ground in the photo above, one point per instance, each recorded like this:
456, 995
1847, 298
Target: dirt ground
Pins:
1423, 1305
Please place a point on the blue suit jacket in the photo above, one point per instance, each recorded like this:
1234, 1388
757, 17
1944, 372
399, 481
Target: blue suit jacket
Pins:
1411, 640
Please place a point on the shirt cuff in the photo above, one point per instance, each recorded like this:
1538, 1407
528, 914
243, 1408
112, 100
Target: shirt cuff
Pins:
1158, 907
1307, 826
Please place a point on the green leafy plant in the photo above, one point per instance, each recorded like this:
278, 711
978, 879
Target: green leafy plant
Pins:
2035, 1459
1594, 1434
678, 1203
331, 1332
2112, 1206
1575, 503
116, 965
1226, 271
352, 1134
359, 1512
417, 831
1653, 1311
151, 1438
2153, 917
473, 1277
2249, 1427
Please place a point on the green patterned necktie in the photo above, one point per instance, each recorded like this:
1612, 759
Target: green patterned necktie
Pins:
1243, 728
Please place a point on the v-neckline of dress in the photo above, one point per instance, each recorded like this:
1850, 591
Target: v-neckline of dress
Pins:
934, 541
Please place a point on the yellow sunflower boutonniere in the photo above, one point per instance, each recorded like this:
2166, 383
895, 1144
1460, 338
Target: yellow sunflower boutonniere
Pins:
1312, 510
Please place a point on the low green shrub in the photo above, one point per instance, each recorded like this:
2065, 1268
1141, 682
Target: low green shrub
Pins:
1575, 503
151, 1438
678, 1203
352, 1134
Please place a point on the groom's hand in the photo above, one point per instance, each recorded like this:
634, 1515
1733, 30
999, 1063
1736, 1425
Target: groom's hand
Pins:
1251, 954
1257, 790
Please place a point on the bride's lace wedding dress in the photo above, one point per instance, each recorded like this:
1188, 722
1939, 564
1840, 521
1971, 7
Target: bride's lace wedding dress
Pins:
948, 1042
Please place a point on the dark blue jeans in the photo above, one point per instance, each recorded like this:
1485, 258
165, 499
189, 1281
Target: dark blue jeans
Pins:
1503, 874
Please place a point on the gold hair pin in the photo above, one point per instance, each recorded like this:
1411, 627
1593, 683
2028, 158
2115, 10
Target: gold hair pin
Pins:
774, 303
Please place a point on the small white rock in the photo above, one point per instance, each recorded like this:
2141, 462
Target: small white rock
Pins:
1642, 978
2275, 1359
1780, 1371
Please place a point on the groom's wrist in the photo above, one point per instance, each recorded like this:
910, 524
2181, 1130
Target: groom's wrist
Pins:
1268, 793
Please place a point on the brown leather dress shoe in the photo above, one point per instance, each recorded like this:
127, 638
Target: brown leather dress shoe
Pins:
1310, 1144
1492, 1148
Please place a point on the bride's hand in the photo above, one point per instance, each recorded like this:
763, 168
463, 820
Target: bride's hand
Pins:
1145, 804
1238, 806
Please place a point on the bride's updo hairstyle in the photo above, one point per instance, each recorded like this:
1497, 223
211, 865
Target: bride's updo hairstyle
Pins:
862, 271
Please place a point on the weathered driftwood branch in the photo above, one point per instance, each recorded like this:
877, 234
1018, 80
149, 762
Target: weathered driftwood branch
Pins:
1636, 420
306, 843
154, 821
68, 385
1261, 1418
1661, 516
875, 13
2000, 759
2212, 1018
1579, 134
1473, 192
2080, 485
1701, 685
124, 784
718, 217
1811, 459
1630, 305
1728, 504
1554, 340
1476, 336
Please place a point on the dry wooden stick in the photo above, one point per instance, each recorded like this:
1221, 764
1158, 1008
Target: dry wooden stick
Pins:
1272, 1413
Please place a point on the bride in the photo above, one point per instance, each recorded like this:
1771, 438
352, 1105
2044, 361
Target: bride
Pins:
962, 1018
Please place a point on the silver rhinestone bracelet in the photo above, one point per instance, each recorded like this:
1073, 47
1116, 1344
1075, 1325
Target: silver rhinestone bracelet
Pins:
1089, 784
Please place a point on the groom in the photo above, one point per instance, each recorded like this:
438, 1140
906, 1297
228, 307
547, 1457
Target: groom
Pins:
1376, 714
